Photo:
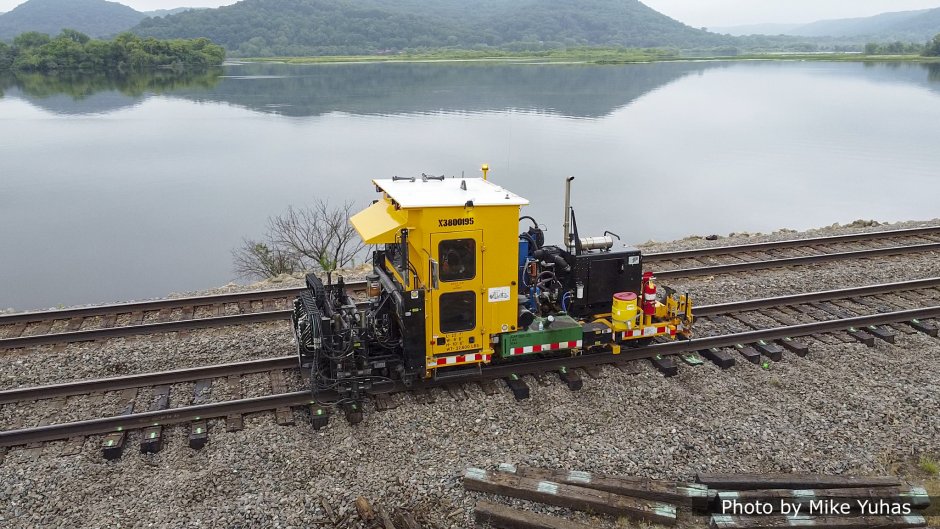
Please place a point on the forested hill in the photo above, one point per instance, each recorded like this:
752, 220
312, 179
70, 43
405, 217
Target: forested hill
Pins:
303, 27
906, 26
97, 18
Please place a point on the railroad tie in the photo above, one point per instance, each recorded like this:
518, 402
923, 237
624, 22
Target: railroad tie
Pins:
113, 445
520, 390
594, 371
758, 481
199, 428
234, 422
630, 368
571, 378
151, 437
719, 357
488, 387
385, 401
573, 497
283, 415
666, 365
502, 516
749, 353
691, 495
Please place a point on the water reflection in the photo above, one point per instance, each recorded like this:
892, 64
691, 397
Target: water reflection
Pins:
580, 91
82, 93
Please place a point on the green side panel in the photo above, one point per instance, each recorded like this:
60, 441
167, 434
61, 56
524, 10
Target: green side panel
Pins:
563, 329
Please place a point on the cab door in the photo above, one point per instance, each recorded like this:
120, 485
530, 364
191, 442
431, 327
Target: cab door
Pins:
456, 295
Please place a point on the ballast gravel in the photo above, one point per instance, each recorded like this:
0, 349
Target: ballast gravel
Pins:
844, 409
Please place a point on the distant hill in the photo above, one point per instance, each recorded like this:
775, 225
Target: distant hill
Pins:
167, 12
303, 27
917, 26
756, 29
96, 18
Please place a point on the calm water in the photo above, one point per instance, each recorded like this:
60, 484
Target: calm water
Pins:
124, 189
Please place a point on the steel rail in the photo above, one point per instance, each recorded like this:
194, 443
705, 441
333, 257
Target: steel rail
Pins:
208, 411
809, 297
153, 418
791, 243
198, 301
146, 328
176, 376
794, 261
145, 306
278, 315
285, 362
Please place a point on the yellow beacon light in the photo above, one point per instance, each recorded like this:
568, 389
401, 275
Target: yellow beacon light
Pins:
485, 168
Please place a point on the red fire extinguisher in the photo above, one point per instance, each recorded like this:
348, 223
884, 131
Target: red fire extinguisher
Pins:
649, 294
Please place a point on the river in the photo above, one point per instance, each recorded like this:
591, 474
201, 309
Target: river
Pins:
118, 189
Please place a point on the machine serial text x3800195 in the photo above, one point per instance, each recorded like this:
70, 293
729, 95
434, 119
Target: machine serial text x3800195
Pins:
454, 288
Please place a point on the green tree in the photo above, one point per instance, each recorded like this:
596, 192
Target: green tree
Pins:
6, 56
74, 36
75, 52
933, 47
31, 39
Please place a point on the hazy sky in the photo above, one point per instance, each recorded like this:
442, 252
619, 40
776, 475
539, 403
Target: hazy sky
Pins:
693, 12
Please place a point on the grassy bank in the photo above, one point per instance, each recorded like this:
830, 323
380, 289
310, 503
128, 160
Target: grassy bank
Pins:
591, 56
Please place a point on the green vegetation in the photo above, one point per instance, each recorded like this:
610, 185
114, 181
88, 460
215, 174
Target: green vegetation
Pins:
893, 48
930, 466
933, 47
73, 51
97, 18
260, 28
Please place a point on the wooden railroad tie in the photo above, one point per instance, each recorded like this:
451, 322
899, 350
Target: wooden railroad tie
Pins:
574, 497
151, 438
759, 481
113, 445
688, 494
509, 518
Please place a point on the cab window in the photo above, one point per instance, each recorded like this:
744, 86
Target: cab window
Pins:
458, 311
458, 259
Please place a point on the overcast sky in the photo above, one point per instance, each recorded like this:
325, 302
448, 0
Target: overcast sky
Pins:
693, 12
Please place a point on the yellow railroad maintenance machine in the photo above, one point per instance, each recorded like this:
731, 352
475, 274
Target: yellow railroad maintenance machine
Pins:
455, 287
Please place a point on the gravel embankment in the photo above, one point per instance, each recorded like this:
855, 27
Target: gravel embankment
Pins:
843, 409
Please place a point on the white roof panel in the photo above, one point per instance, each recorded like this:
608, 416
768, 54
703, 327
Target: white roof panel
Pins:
448, 193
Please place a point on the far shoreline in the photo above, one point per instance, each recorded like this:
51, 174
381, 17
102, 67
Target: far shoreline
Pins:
584, 57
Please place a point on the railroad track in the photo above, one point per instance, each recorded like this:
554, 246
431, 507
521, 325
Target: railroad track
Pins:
865, 314
60, 327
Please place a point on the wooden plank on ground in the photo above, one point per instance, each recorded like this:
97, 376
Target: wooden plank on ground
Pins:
508, 518
690, 494
719, 521
791, 481
561, 495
